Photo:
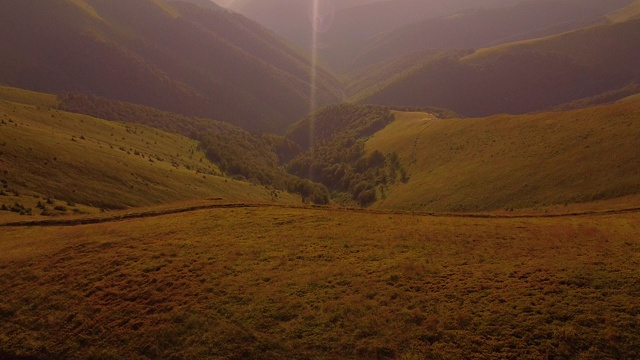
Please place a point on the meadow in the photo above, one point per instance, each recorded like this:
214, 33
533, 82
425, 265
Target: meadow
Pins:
271, 282
508, 162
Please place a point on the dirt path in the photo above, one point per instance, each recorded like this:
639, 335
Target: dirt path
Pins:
156, 213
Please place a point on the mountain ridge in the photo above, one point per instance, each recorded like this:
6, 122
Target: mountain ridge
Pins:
522, 77
177, 56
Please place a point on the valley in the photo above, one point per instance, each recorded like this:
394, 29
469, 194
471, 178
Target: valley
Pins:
314, 179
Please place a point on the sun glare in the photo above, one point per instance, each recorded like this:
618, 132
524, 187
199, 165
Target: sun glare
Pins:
315, 16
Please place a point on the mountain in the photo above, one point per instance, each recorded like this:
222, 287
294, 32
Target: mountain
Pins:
478, 28
513, 161
174, 56
347, 24
74, 163
202, 3
521, 77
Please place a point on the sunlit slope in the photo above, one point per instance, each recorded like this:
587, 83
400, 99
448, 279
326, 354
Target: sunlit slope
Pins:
630, 12
76, 158
27, 97
484, 27
505, 162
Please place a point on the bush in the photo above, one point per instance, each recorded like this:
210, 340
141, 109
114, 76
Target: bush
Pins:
17, 208
367, 197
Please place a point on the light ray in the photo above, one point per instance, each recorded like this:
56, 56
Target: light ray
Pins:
315, 19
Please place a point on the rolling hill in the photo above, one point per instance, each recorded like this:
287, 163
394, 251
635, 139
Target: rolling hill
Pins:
347, 25
479, 28
507, 162
82, 163
174, 56
521, 77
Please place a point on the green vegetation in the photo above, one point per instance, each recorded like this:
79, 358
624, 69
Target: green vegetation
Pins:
336, 159
223, 283
47, 153
334, 138
237, 152
511, 162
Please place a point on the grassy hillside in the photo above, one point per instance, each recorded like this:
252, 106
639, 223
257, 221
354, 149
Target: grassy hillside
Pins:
174, 56
630, 12
76, 159
522, 77
27, 97
243, 155
222, 283
485, 27
504, 162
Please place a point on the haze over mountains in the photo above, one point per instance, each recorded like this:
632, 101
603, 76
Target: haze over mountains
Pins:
196, 58
175, 56
484, 27
521, 77
204, 65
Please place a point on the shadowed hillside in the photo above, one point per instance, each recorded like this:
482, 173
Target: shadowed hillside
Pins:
177, 57
478, 28
504, 161
522, 77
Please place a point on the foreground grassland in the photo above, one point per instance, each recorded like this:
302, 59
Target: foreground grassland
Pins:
514, 162
273, 282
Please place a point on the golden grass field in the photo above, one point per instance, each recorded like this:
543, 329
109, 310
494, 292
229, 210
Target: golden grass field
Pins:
537, 161
298, 283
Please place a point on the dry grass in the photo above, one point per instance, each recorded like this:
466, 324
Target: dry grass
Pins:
302, 283
632, 11
101, 164
504, 162
27, 97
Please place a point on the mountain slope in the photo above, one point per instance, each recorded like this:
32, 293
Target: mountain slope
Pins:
177, 57
479, 28
522, 77
504, 161
48, 153
346, 25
